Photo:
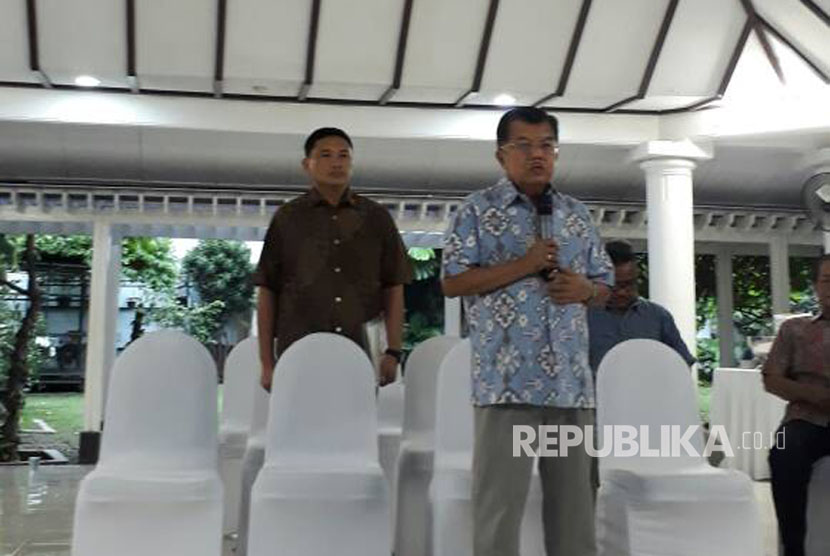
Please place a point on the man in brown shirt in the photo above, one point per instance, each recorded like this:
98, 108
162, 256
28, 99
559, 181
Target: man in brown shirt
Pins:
331, 262
798, 370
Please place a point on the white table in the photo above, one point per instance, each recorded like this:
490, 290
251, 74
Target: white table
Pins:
750, 417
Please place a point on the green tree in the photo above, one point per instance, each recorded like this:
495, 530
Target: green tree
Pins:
145, 260
18, 355
423, 298
200, 321
221, 270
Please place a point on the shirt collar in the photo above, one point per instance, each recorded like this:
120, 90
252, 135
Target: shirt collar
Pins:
348, 198
509, 193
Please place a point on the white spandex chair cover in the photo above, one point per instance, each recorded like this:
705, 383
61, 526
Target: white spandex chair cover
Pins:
818, 510
241, 380
251, 464
156, 488
321, 489
451, 487
671, 506
390, 426
414, 466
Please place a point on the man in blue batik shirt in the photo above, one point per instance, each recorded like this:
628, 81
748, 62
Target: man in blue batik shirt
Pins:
526, 300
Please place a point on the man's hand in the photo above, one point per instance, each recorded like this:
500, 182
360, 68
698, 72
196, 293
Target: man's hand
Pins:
388, 370
542, 255
266, 375
566, 286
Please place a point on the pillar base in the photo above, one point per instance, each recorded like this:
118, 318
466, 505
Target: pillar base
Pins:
90, 446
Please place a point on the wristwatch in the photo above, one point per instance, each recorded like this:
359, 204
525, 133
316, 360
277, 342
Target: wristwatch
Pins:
396, 353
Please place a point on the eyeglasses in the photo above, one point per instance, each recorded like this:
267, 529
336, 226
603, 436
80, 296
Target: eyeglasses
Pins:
548, 147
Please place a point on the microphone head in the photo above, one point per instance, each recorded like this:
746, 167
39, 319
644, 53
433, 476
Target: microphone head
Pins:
545, 205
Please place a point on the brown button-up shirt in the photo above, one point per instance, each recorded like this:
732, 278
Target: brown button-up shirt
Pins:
328, 265
801, 352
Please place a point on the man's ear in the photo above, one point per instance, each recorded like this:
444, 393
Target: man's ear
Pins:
500, 157
305, 164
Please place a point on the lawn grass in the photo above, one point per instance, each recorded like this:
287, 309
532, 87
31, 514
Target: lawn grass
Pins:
64, 412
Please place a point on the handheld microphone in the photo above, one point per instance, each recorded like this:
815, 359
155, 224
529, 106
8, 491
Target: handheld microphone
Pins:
544, 221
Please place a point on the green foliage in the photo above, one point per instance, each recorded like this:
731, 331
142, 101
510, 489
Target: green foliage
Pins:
145, 260
423, 298
8, 257
425, 263
10, 319
150, 261
201, 321
221, 270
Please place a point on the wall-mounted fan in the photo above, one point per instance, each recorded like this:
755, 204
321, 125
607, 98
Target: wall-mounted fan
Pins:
816, 198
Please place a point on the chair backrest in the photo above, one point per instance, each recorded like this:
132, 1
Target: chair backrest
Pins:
390, 405
644, 382
242, 371
421, 378
454, 409
322, 412
259, 417
161, 406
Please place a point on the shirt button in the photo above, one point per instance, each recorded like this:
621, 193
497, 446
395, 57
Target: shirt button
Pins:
334, 217
337, 269
337, 242
338, 299
338, 329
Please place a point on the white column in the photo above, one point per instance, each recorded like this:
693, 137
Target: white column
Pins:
779, 266
726, 308
452, 316
103, 315
671, 238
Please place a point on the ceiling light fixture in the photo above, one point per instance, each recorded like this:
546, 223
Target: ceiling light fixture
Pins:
505, 100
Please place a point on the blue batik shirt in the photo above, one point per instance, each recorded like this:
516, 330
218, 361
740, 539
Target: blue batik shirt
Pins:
526, 348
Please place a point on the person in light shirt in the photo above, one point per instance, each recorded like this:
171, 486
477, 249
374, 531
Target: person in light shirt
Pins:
526, 297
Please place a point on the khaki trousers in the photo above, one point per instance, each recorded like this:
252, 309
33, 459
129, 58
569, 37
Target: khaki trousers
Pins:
501, 483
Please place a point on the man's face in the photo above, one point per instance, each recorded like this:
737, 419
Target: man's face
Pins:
822, 287
330, 162
528, 156
624, 292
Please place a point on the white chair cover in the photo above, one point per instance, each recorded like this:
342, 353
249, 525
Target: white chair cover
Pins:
321, 489
251, 464
390, 426
241, 381
156, 488
671, 506
818, 510
414, 466
451, 487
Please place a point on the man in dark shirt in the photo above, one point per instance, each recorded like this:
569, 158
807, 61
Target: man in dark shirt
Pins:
628, 316
798, 370
332, 261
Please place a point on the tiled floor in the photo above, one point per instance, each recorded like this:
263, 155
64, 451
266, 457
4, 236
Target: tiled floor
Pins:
36, 511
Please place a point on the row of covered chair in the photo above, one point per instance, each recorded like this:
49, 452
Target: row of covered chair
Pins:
302, 468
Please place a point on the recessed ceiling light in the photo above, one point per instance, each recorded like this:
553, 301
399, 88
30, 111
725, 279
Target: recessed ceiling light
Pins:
87, 81
505, 100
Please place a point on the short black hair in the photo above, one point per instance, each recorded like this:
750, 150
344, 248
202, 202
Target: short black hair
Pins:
817, 267
322, 133
620, 252
527, 114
